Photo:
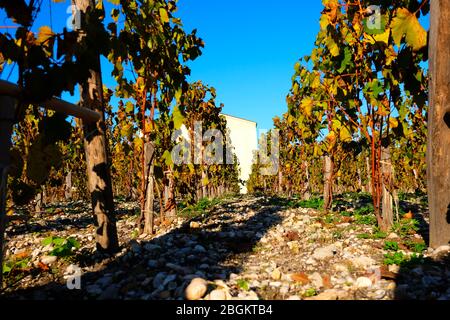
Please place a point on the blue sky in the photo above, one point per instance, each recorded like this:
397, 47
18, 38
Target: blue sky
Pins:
251, 48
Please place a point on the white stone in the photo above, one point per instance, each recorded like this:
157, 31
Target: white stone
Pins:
394, 268
441, 249
363, 282
218, 294
316, 280
48, 259
324, 253
363, 262
196, 289
276, 274
392, 235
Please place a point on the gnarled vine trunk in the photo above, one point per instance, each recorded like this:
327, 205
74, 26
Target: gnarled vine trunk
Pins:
388, 190
149, 152
328, 182
95, 145
307, 193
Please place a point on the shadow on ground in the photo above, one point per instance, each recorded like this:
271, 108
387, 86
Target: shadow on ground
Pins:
227, 235
424, 279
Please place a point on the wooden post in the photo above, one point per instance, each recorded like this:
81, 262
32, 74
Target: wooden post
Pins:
438, 146
7, 112
13, 90
95, 145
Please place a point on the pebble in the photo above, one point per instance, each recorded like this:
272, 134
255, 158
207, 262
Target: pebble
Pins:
324, 253
196, 289
316, 280
172, 260
363, 282
48, 260
363, 262
276, 274
199, 249
159, 280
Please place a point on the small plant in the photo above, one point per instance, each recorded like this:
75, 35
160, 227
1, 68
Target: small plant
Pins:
61, 247
379, 235
394, 258
406, 227
364, 215
311, 292
391, 245
315, 203
417, 247
243, 284
15, 265
368, 209
257, 248
329, 219
135, 234
363, 236
346, 214
337, 235
201, 207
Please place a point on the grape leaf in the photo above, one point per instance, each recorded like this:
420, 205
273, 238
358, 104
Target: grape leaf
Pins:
406, 23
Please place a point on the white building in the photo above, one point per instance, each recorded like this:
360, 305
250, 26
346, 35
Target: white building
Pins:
244, 140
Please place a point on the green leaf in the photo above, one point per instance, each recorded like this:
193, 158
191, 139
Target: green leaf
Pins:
47, 241
167, 158
6, 268
346, 61
406, 23
59, 241
73, 242
178, 118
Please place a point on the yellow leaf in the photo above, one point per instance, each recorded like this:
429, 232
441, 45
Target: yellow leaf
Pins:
324, 22
164, 15
406, 23
345, 135
307, 105
393, 123
45, 33
99, 5
383, 37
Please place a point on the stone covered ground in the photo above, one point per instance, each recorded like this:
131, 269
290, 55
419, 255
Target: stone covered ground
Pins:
240, 248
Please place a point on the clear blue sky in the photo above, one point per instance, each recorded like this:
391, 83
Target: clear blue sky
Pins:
251, 48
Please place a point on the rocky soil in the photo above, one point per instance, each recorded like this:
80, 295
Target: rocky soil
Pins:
244, 248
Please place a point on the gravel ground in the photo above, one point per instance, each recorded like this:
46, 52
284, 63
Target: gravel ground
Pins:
245, 248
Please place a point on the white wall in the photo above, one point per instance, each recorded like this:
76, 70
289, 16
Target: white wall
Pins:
244, 140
